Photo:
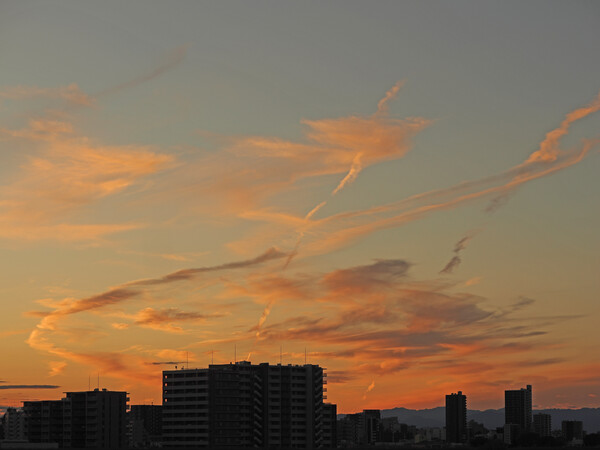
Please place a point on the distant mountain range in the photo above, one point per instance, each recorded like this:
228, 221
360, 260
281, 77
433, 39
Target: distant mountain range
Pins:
493, 418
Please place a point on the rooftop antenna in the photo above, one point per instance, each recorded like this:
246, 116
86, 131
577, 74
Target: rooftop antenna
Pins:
187, 361
98, 380
234, 353
89, 382
304, 355
280, 354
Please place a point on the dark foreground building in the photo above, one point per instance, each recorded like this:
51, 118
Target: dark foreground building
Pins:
89, 419
542, 424
518, 411
145, 425
245, 405
572, 430
456, 418
362, 428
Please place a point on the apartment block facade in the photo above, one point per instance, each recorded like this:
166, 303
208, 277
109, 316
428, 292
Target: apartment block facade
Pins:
88, 419
456, 417
542, 424
518, 411
245, 405
144, 424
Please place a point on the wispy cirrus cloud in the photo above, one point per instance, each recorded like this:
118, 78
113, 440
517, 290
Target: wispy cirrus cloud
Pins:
375, 318
52, 326
56, 368
344, 228
389, 139
70, 93
458, 248
330, 147
28, 386
165, 319
169, 61
165, 363
65, 174
64, 171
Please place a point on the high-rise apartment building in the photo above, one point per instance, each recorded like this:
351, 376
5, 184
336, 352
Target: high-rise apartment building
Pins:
95, 419
518, 408
542, 424
89, 419
456, 417
244, 405
371, 426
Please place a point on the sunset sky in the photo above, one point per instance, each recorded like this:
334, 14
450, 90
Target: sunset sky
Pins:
407, 191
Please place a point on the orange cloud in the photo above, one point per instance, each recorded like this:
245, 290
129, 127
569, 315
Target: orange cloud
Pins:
56, 367
549, 150
329, 233
164, 319
373, 319
330, 147
66, 174
54, 335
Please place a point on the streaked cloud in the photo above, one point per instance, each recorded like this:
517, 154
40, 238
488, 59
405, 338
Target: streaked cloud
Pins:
56, 367
28, 386
373, 317
456, 260
169, 61
71, 94
65, 174
52, 326
165, 319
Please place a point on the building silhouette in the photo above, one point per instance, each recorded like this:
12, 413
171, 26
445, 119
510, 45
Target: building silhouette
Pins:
362, 428
245, 405
572, 430
88, 419
542, 424
456, 417
144, 425
348, 430
14, 424
45, 421
518, 411
329, 426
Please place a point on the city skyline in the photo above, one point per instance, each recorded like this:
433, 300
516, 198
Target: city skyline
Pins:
406, 196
